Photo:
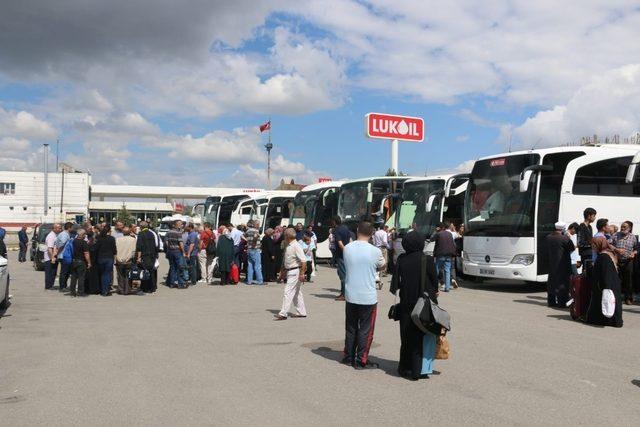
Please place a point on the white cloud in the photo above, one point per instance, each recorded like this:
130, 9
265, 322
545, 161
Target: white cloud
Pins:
462, 138
238, 146
23, 124
608, 104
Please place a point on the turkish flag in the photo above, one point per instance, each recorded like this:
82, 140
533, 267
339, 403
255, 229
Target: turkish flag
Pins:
266, 126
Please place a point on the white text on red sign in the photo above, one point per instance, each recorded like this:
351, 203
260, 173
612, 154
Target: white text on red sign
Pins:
394, 127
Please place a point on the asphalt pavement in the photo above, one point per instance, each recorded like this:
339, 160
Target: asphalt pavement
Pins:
213, 355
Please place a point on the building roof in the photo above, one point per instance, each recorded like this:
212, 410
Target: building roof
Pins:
148, 191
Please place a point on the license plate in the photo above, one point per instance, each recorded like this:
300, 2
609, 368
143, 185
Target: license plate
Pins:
487, 272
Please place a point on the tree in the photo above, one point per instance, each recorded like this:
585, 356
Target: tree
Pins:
124, 216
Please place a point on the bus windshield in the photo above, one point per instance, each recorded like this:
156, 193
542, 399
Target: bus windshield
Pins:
353, 205
303, 208
211, 206
412, 213
494, 205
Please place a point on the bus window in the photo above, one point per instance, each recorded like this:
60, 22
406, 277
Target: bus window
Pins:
605, 178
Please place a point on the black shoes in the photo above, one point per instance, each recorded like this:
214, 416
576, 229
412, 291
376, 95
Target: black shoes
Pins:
369, 365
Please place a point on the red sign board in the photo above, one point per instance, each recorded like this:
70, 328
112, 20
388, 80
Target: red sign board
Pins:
498, 162
387, 126
324, 179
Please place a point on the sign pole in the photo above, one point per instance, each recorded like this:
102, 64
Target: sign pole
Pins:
394, 156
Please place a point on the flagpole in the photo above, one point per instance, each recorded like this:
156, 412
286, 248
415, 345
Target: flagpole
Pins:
269, 146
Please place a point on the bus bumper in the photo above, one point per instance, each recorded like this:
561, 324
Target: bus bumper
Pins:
509, 271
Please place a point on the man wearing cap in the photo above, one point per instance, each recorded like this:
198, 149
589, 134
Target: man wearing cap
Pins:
559, 249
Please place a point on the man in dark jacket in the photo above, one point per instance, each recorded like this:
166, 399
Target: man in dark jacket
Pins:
147, 247
445, 249
23, 240
585, 235
559, 247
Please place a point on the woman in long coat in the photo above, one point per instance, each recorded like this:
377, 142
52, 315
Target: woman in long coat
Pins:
92, 278
604, 276
225, 254
279, 243
417, 349
268, 256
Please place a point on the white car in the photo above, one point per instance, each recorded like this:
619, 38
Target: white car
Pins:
4, 283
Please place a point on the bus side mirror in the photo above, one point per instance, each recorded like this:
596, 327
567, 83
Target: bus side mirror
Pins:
432, 198
525, 179
527, 173
632, 172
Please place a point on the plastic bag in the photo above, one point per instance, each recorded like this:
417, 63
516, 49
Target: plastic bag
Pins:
608, 303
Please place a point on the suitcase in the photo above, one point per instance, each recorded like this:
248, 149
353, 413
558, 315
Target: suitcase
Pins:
580, 291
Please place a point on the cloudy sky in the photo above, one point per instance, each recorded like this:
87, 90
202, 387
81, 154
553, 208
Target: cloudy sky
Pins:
147, 92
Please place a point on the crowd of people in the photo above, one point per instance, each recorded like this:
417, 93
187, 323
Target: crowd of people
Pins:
607, 260
195, 255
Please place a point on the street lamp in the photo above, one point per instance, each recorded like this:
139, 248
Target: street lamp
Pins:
269, 147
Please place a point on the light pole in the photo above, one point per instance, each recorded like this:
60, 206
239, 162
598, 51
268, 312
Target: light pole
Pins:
269, 147
46, 178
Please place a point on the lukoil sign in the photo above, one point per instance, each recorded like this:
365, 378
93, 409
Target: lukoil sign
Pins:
387, 126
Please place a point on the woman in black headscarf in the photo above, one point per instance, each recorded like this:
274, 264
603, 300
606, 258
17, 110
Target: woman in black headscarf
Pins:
415, 362
604, 276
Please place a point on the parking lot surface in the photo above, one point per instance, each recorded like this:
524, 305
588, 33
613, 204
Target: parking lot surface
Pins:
214, 355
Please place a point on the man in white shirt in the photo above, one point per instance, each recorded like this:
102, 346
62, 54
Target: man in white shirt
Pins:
61, 241
294, 266
381, 241
49, 259
575, 255
236, 235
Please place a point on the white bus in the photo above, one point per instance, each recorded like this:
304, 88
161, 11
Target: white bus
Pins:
425, 202
219, 209
316, 204
370, 199
514, 199
272, 208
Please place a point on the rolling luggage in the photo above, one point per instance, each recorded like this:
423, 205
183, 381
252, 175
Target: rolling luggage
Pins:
580, 291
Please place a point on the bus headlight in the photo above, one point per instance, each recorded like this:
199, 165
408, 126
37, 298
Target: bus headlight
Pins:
524, 259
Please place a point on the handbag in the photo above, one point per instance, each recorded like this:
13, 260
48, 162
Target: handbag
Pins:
394, 310
443, 350
427, 315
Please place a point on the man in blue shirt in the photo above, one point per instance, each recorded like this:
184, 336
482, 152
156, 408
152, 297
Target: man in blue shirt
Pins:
61, 241
362, 260
191, 253
23, 241
342, 237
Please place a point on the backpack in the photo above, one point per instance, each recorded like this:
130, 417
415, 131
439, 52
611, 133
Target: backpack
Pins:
211, 247
67, 252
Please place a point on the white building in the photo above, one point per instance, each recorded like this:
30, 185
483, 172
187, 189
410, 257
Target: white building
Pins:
22, 198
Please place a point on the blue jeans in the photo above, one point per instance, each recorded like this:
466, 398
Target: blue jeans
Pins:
193, 269
176, 264
106, 274
444, 262
254, 266
342, 273
65, 273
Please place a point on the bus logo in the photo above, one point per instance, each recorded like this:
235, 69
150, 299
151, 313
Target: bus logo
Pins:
498, 162
487, 259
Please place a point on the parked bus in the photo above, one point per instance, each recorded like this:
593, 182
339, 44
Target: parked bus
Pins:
219, 209
425, 202
272, 208
316, 204
370, 199
514, 200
